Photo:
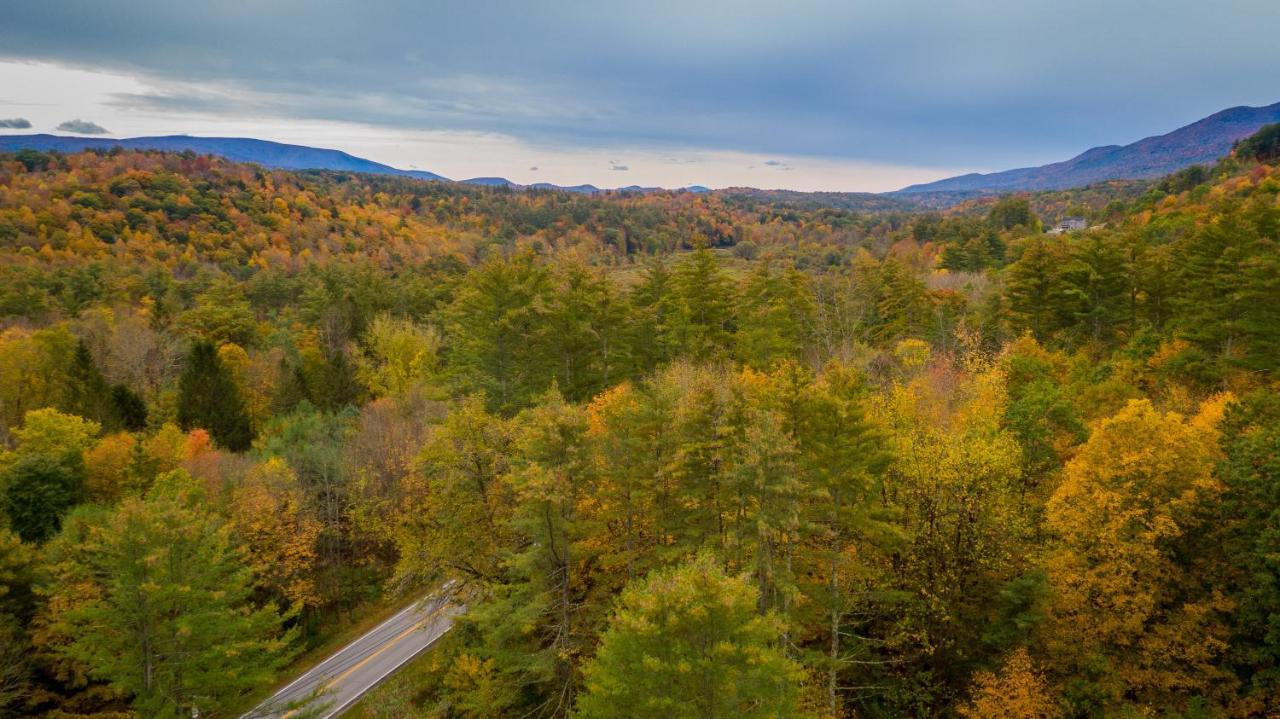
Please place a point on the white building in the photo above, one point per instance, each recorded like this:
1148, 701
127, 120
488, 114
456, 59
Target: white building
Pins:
1069, 224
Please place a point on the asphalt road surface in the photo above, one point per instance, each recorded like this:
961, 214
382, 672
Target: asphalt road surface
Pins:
334, 684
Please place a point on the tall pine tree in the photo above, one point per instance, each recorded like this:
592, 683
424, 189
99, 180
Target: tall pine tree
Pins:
209, 398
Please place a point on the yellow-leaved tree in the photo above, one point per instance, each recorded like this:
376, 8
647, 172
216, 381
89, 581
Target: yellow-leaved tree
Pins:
1018, 691
269, 517
400, 356
1128, 621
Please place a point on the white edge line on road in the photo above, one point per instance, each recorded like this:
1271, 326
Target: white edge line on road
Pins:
339, 709
354, 642
283, 690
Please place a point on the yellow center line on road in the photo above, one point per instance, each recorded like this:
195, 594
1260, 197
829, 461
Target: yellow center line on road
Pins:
373, 656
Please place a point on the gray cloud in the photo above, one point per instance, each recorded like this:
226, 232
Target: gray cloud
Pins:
15, 123
83, 127
618, 167
533, 169
915, 81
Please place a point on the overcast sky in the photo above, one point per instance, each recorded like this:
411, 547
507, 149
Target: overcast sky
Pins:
840, 95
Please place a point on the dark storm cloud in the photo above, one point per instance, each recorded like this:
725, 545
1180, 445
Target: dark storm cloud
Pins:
15, 123
83, 127
942, 83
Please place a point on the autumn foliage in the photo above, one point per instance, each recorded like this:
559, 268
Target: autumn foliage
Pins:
722, 454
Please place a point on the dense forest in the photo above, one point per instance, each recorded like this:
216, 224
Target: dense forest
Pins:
679, 455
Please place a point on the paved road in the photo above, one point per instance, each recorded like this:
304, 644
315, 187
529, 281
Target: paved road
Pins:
336, 683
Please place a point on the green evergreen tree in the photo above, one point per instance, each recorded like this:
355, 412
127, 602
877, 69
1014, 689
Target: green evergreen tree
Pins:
902, 305
587, 320
209, 398
128, 409
335, 384
1228, 285
497, 331
1246, 542
841, 460
311, 443
17, 604
39, 490
654, 316
1039, 415
88, 394
290, 389
1097, 279
705, 325
1039, 298
153, 598
777, 312
689, 643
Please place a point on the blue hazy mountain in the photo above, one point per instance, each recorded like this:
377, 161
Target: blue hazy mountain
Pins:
238, 149
584, 189
1202, 142
269, 154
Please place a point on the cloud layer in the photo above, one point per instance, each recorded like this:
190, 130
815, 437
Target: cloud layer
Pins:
82, 127
936, 82
15, 123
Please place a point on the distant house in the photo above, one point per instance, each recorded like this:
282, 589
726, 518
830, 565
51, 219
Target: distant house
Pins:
1069, 224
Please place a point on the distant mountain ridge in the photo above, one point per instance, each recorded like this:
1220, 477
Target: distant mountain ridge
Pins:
277, 155
1203, 141
237, 149
584, 189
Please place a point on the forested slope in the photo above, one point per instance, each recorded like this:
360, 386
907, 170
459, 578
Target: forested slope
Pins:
884, 464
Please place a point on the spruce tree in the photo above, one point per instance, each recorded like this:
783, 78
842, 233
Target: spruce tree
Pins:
88, 394
1039, 297
128, 409
291, 389
1098, 283
38, 491
654, 316
705, 325
208, 398
777, 310
336, 385
498, 331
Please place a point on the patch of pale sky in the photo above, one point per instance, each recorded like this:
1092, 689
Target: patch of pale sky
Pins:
50, 94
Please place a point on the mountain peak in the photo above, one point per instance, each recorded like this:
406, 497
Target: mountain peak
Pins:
1204, 141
